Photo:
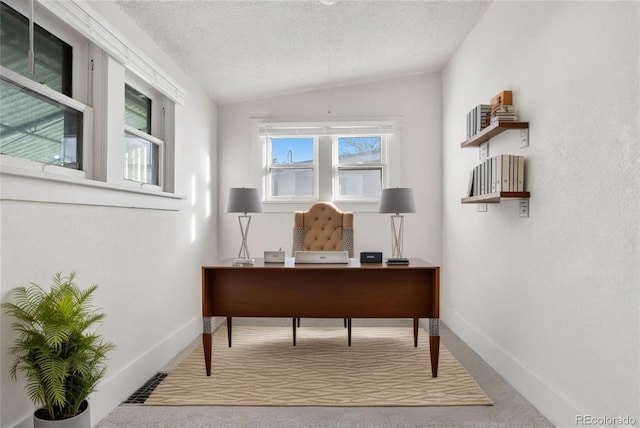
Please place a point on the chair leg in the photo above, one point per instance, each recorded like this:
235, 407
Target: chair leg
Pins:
229, 331
296, 321
294, 330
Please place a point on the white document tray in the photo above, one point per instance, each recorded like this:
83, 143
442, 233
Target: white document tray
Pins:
321, 257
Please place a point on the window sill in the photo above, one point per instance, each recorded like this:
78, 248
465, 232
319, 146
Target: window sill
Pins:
19, 184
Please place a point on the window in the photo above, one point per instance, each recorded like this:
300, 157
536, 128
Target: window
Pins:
143, 152
53, 56
39, 129
336, 161
38, 123
359, 167
47, 117
291, 167
137, 109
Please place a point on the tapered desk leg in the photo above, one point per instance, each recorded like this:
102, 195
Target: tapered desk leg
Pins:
206, 343
416, 327
434, 344
294, 330
349, 331
229, 331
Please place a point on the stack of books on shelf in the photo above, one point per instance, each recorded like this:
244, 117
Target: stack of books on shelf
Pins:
504, 113
502, 173
502, 109
478, 119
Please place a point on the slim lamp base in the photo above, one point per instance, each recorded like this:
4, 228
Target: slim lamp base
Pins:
244, 262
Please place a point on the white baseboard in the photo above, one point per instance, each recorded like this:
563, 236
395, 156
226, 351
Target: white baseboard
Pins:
551, 403
120, 385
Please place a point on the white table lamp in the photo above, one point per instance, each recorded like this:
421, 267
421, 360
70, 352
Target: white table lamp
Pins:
244, 200
396, 201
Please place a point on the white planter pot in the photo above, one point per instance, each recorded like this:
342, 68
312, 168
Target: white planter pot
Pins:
81, 420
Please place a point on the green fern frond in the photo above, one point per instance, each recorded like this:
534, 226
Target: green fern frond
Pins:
57, 349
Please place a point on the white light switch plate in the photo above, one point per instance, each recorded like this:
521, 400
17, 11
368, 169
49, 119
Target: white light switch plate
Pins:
483, 153
524, 138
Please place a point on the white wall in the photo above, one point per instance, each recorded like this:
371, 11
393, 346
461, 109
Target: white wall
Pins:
552, 301
145, 261
416, 162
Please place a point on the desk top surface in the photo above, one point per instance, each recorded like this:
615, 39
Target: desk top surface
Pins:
289, 263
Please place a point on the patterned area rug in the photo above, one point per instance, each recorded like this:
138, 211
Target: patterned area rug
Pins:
381, 368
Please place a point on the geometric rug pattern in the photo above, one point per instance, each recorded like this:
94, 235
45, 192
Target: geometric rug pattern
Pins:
263, 368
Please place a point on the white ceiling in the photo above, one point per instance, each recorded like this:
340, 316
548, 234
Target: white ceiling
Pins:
245, 49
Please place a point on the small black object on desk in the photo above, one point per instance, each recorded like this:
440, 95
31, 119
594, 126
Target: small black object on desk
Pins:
397, 261
370, 257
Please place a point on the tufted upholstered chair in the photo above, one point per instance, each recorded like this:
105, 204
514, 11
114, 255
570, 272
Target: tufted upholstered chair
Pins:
323, 227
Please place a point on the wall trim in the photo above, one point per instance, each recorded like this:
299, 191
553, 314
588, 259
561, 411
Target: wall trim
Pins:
119, 385
96, 29
41, 186
551, 403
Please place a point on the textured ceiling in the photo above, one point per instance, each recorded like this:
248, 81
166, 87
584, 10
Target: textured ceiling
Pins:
240, 50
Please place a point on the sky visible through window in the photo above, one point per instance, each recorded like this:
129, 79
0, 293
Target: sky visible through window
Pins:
291, 151
299, 150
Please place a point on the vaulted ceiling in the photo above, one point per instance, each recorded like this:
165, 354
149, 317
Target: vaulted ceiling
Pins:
240, 50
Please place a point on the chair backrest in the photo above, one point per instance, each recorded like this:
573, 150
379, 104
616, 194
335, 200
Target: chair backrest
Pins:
323, 227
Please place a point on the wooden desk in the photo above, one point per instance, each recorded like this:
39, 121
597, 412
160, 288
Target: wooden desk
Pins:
322, 291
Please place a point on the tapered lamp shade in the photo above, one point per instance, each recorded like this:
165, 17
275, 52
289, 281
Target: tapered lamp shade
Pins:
396, 200
244, 200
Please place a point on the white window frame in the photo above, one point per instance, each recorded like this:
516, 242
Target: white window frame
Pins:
87, 130
382, 166
325, 157
153, 140
80, 45
269, 167
101, 58
156, 137
76, 102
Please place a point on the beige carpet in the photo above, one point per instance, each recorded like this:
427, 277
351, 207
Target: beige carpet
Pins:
381, 368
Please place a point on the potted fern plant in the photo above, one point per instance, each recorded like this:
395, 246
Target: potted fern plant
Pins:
57, 349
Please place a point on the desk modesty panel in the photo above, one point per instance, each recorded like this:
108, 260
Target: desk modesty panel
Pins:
322, 291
